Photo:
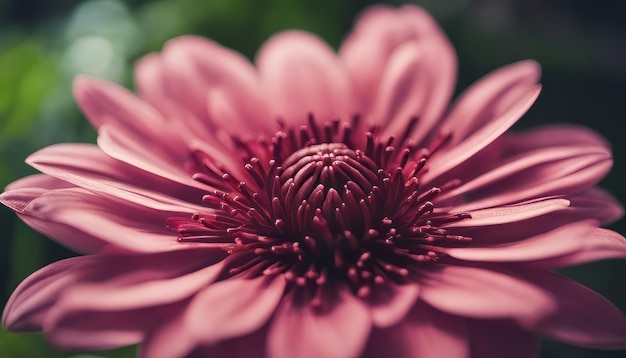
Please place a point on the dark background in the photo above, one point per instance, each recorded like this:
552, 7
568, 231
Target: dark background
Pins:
43, 44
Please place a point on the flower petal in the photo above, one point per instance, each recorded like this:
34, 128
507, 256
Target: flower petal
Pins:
595, 203
39, 181
194, 67
243, 306
404, 92
161, 87
169, 339
302, 75
75, 218
27, 306
251, 345
67, 236
122, 293
512, 213
489, 98
481, 293
392, 303
368, 54
173, 339
425, 332
553, 135
237, 117
87, 166
439, 68
497, 124
131, 130
112, 296
501, 338
583, 317
545, 172
152, 84
560, 241
100, 330
365, 52
20, 193
589, 205
600, 244
299, 330
23, 199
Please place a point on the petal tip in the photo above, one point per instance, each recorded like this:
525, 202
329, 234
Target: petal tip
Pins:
82, 83
13, 202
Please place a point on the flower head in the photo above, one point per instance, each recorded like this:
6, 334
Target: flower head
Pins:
317, 205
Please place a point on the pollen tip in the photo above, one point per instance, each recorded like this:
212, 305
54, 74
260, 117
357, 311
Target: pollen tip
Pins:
364, 291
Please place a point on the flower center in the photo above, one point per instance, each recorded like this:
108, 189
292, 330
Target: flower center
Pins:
326, 214
328, 180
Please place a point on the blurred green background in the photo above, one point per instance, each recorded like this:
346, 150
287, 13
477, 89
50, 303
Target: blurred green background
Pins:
44, 44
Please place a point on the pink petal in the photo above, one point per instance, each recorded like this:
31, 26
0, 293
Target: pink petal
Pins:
129, 129
20, 193
170, 338
497, 124
134, 151
236, 116
196, 66
87, 166
553, 135
391, 304
67, 236
75, 218
243, 307
100, 330
365, 52
252, 345
595, 203
173, 82
600, 244
368, 52
425, 332
299, 330
38, 181
112, 296
20, 196
560, 241
511, 213
404, 92
489, 98
501, 338
156, 84
582, 317
116, 299
105, 102
152, 84
28, 305
160, 85
480, 293
201, 64
302, 75
589, 205
105, 330
545, 172
414, 86
439, 66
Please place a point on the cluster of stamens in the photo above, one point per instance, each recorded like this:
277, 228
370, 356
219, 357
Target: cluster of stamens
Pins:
322, 208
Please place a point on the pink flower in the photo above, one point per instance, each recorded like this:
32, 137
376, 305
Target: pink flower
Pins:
317, 205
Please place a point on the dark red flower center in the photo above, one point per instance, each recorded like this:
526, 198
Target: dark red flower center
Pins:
320, 210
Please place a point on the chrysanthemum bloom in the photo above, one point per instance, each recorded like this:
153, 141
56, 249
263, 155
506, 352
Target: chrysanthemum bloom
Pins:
314, 205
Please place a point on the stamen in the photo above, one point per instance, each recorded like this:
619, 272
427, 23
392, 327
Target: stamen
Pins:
324, 204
